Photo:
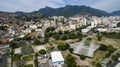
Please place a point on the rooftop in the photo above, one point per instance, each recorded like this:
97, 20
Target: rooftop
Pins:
56, 56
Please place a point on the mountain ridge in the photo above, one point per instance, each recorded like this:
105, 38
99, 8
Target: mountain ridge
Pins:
71, 10
68, 11
116, 13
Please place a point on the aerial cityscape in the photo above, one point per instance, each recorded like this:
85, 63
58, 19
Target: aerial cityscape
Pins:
60, 33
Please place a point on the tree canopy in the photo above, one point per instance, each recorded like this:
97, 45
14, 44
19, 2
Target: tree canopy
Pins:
63, 47
70, 61
82, 57
42, 51
36, 41
118, 25
103, 47
50, 29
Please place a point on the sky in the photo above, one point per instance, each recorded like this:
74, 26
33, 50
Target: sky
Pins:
34, 5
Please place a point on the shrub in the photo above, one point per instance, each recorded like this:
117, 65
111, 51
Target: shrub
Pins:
103, 47
63, 47
82, 57
36, 41
70, 61
70, 49
118, 25
42, 51
99, 37
98, 65
50, 29
64, 37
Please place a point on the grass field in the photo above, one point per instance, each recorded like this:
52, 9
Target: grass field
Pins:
28, 58
30, 65
16, 57
58, 42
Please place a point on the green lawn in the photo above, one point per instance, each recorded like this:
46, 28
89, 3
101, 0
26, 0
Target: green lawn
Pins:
59, 42
30, 65
16, 57
26, 50
28, 58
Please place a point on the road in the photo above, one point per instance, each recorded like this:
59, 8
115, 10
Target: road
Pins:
3, 61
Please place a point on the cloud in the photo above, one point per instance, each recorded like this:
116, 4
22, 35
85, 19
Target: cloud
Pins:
28, 5
107, 5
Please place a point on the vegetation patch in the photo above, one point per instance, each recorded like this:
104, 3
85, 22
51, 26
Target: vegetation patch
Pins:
28, 58
98, 57
42, 51
70, 61
63, 47
17, 57
59, 42
82, 57
111, 35
30, 65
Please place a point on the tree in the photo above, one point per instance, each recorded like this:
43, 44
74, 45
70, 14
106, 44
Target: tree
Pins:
3, 27
63, 47
57, 36
50, 29
108, 54
42, 51
99, 37
70, 49
48, 34
98, 65
115, 57
32, 30
60, 32
36, 41
72, 36
70, 60
80, 36
82, 57
66, 32
111, 48
103, 47
118, 25
13, 45
64, 37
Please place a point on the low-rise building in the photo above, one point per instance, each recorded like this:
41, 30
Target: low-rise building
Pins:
57, 58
